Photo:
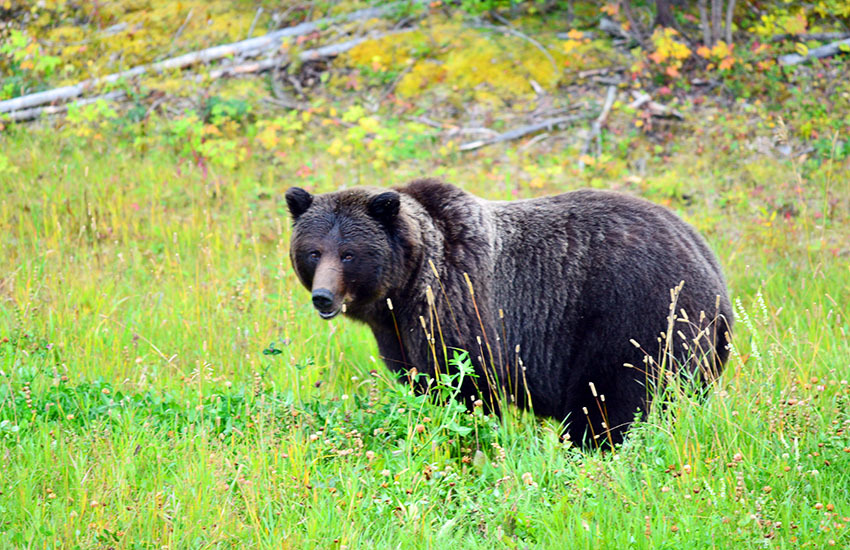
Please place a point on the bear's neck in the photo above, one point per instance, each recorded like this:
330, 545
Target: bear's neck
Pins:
434, 312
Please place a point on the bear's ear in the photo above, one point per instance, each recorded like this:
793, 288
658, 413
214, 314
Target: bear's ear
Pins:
384, 207
298, 201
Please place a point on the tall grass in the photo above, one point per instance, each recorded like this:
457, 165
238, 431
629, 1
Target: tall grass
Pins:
138, 409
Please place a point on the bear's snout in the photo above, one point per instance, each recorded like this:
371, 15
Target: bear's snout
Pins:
327, 288
323, 299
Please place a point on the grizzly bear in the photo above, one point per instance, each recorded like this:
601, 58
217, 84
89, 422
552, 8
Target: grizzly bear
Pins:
577, 305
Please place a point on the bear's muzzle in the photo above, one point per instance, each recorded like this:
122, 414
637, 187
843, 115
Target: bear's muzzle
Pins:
327, 289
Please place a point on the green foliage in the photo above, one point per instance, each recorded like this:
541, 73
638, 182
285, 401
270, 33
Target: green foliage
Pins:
383, 419
151, 376
25, 65
217, 110
6, 165
479, 7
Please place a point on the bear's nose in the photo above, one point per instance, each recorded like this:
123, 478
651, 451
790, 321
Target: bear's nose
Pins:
323, 299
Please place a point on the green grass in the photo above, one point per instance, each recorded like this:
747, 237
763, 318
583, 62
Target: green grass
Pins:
138, 293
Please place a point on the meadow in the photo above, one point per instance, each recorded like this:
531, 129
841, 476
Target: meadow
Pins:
166, 383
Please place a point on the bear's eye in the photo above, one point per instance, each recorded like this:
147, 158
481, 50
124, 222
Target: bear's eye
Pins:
347, 257
315, 254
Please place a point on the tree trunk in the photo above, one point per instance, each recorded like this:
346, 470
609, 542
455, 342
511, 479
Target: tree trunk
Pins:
663, 14
704, 23
716, 20
730, 12
635, 29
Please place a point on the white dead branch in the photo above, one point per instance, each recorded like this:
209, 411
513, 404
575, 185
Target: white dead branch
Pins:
517, 133
826, 50
253, 47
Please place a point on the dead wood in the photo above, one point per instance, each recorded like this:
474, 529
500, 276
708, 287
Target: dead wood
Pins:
613, 28
805, 37
656, 109
826, 50
520, 132
222, 72
511, 30
596, 127
252, 47
36, 112
331, 50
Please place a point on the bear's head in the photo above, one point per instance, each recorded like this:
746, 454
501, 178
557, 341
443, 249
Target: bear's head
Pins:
346, 247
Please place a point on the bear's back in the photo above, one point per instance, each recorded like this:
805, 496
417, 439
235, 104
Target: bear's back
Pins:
581, 275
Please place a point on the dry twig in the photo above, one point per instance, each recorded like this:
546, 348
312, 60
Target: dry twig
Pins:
520, 132
656, 109
252, 47
512, 30
596, 128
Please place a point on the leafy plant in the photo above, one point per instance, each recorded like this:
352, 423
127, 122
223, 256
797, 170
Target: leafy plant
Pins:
25, 64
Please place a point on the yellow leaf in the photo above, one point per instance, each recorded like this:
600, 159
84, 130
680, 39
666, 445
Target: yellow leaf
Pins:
335, 147
211, 130
570, 45
721, 49
369, 124
611, 9
802, 49
702, 51
268, 137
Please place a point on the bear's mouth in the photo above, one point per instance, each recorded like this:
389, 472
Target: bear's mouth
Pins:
329, 314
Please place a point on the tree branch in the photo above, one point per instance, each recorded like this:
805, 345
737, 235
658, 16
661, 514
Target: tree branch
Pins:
509, 28
252, 47
35, 112
221, 72
520, 132
819, 36
596, 128
816, 53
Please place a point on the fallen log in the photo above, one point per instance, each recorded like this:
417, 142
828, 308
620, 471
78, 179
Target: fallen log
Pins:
613, 28
819, 36
655, 109
269, 63
228, 70
516, 133
252, 47
826, 50
35, 112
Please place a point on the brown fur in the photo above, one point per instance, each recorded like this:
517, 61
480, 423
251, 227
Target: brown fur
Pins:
577, 276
